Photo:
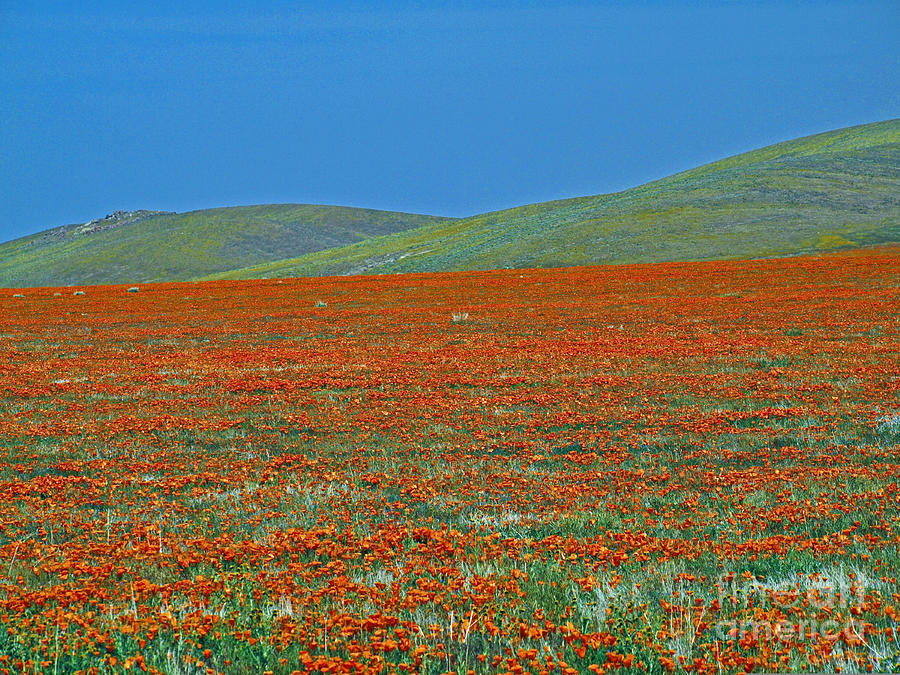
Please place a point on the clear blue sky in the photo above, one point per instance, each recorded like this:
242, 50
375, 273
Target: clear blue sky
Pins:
442, 108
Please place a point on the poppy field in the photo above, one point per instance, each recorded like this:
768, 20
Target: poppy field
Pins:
680, 467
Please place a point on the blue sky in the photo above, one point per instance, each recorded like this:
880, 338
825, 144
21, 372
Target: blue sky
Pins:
445, 108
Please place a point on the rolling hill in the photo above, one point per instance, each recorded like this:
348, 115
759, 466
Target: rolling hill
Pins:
818, 193
832, 190
144, 246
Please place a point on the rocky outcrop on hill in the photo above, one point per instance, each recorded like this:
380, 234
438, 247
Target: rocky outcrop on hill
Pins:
115, 219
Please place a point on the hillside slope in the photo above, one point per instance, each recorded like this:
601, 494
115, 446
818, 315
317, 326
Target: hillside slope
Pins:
832, 190
141, 246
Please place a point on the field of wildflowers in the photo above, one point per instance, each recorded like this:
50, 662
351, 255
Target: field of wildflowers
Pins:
685, 467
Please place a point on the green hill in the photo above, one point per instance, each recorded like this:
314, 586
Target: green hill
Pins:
832, 190
142, 246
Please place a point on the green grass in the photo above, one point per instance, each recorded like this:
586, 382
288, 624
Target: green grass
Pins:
820, 193
153, 246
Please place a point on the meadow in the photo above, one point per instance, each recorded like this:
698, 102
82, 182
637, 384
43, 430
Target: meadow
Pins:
680, 467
